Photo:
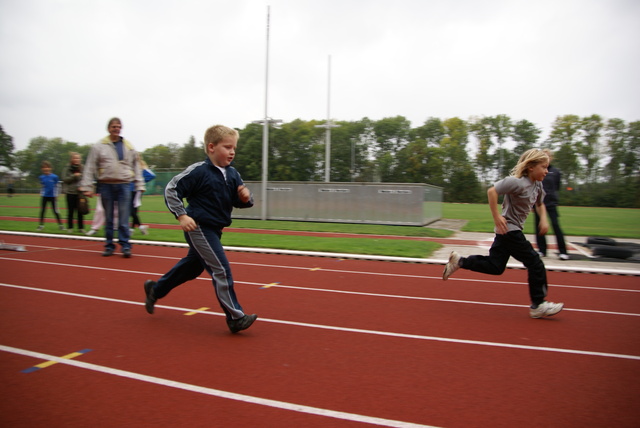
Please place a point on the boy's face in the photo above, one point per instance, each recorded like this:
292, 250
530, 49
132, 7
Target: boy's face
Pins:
539, 171
223, 153
46, 170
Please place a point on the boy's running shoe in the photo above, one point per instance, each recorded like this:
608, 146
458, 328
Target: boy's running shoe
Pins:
149, 303
241, 323
452, 266
144, 229
545, 309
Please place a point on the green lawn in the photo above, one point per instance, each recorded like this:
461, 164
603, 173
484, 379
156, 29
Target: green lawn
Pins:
576, 221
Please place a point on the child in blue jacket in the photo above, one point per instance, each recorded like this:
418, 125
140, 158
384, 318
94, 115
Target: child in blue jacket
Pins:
49, 193
212, 189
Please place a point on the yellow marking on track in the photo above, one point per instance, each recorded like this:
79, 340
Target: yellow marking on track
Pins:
50, 363
270, 285
197, 311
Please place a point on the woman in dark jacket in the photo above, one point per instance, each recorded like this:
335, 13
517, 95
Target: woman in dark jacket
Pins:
70, 179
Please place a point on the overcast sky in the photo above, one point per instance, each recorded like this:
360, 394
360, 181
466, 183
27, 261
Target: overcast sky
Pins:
170, 69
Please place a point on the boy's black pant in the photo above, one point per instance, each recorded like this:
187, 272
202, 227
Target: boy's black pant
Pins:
205, 253
513, 244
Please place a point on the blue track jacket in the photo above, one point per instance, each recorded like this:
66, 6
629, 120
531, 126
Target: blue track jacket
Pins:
210, 199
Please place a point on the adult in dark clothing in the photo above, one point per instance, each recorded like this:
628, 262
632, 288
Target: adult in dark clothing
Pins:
70, 179
551, 185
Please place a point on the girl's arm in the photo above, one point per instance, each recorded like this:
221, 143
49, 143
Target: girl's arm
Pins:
498, 219
543, 226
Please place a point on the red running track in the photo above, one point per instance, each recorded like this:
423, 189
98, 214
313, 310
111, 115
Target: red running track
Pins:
338, 343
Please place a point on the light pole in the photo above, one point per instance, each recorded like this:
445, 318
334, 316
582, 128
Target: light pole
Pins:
265, 130
328, 125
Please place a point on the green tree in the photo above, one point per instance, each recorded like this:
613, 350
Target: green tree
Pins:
526, 136
296, 152
162, 156
482, 129
461, 182
589, 146
346, 151
248, 158
391, 134
631, 160
6, 149
562, 140
54, 150
432, 132
190, 153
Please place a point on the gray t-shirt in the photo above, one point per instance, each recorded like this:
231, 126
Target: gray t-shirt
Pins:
521, 195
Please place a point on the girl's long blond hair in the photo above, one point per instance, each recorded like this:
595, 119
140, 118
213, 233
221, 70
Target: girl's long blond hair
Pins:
529, 158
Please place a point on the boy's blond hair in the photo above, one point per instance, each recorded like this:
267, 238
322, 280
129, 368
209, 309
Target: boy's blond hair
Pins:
45, 164
216, 133
529, 158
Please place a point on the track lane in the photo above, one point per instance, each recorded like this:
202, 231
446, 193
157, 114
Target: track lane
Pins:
443, 384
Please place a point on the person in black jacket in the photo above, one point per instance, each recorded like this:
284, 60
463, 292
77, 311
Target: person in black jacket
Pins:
212, 189
551, 185
70, 179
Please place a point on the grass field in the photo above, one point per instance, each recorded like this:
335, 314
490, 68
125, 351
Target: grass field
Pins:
576, 221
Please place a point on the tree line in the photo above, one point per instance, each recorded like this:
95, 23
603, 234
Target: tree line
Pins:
599, 158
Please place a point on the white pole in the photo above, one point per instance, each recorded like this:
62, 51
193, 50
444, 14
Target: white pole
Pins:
265, 130
327, 155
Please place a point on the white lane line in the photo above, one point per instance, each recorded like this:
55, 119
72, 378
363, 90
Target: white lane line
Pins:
216, 392
307, 268
512, 265
353, 330
154, 274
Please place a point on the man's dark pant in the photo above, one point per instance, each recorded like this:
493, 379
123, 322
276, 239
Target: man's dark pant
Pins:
513, 244
120, 195
541, 240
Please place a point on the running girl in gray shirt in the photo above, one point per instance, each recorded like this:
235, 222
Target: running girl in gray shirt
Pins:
522, 190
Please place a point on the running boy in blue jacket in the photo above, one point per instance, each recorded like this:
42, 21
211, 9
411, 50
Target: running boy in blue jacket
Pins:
212, 189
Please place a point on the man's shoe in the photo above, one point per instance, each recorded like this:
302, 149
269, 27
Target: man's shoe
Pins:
545, 309
452, 266
541, 254
40, 227
108, 252
563, 256
144, 229
126, 253
149, 303
62, 227
241, 323
91, 232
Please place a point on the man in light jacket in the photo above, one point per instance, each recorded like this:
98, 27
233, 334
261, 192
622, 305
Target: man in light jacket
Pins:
113, 164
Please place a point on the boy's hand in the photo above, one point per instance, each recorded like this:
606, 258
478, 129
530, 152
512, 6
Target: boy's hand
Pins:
187, 223
244, 194
501, 225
